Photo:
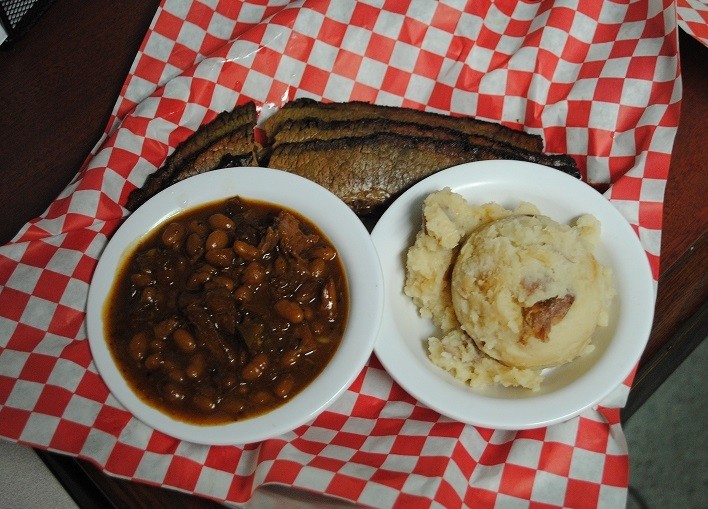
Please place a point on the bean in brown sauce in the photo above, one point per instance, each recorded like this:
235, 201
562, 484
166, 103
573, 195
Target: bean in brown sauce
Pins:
165, 275
196, 367
243, 293
246, 250
308, 312
174, 392
195, 245
184, 340
156, 345
261, 397
291, 311
201, 276
173, 234
138, 345
255, 367
317, 267
284, 386
326, 253
153, 361
254, 274
232, 405
220, 258
176, 375
221, 221
220, 282
173, 371
217, 239
229, 380
165, 327
148, 295
289, 358
141, 280
205, 402
273, 304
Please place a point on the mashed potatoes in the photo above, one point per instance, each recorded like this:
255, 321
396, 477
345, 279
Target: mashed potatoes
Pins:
512, 291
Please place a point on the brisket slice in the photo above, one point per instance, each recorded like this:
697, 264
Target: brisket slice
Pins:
311, 129
368, 172
225, 123
238, 146
357, 110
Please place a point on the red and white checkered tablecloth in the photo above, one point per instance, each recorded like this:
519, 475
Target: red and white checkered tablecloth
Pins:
692, 17
599, 80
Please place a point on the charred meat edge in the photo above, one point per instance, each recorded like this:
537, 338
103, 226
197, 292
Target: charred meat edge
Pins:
356, 110
238, 147
204, 136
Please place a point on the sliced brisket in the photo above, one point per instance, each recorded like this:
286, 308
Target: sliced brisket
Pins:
369, 171
357, 110
366, 154
314, 129
238, 147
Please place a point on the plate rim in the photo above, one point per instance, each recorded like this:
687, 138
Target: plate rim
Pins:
486, 173
221, 184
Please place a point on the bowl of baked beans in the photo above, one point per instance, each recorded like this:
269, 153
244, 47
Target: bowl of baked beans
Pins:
235, 306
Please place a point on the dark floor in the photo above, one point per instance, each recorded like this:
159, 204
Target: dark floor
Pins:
668, 450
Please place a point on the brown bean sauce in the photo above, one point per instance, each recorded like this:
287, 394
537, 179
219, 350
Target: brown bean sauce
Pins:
227, 311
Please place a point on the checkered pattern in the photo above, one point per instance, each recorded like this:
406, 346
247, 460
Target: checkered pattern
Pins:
598, 80
693, 18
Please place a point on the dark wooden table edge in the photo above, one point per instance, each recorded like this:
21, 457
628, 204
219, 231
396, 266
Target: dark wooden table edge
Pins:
73, 478
673, 353
687, 335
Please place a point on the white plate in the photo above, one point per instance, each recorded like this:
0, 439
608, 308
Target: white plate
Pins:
332, 216
567, 390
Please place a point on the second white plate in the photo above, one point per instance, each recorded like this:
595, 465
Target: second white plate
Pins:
567, 390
